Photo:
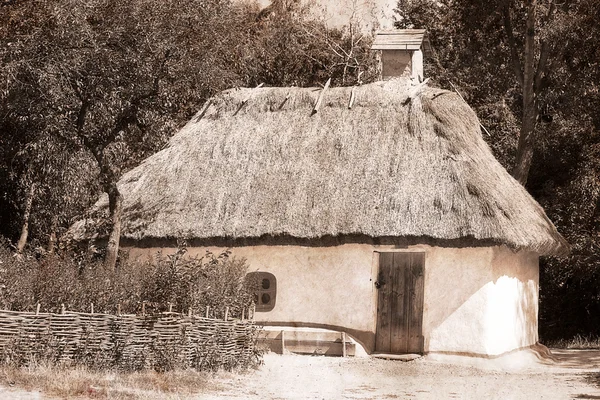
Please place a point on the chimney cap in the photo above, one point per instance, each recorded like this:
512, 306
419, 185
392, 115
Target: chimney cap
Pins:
402, 39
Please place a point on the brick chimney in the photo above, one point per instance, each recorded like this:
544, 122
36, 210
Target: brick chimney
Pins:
402, 52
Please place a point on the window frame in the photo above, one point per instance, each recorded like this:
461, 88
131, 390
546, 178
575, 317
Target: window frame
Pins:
260, 291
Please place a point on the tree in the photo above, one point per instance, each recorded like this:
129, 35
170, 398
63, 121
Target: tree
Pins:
529, 69
480, 49
506, 34
288, 44
106, 78
106, 83
32, 163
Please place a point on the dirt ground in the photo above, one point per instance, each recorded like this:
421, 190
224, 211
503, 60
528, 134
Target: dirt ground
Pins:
573, 374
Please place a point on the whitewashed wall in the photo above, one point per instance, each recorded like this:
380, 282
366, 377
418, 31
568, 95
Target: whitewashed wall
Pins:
478, 301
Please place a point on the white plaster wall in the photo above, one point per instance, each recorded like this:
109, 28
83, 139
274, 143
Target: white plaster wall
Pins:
316, 286
512, 314
480, 301
320, 285
417, 65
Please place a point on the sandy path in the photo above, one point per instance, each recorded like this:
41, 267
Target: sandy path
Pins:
305, 377
17, 394
573, 375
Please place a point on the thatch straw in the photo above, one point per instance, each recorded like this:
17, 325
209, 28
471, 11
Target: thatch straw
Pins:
392, 166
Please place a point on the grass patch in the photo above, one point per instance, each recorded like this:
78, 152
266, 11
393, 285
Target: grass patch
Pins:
83, 383
577, 342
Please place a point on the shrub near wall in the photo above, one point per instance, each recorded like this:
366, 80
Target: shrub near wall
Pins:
174, 282
206, 287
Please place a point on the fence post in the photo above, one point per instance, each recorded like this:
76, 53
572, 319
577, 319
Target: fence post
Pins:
253, 310
92, 307
226, 312
143, 308
190, 312
62, 308
207, 308
37, 309
243, 311
119, 309
170, 306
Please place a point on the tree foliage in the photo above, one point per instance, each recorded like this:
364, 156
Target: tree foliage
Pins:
91, 87
156, 284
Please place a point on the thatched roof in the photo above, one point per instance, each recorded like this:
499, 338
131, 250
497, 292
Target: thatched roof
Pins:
391, 166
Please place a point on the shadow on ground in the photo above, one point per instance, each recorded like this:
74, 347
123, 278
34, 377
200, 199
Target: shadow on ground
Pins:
580, 360
577, 359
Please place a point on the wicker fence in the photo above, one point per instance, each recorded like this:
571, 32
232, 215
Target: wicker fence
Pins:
161, 342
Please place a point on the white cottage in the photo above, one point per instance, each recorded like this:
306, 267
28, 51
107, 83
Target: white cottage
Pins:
385, 217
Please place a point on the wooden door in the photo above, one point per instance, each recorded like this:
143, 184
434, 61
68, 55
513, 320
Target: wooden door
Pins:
400, 284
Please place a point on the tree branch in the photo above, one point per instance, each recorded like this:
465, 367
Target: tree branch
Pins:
516, 62
542, 65
95, 150
80, 123
81, 115
544, 53
127, 117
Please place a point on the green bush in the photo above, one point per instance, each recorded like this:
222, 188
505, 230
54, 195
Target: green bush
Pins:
178, 281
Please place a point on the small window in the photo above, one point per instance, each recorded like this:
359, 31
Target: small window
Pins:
264, 285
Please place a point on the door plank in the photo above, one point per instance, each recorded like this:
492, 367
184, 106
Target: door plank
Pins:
416, 271
399, 332
384, 312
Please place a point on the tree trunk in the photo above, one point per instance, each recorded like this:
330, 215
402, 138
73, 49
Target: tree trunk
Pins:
115, 203
25, 227
52, 238
526, 136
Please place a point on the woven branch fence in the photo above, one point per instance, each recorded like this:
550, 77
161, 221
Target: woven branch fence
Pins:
162, 342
